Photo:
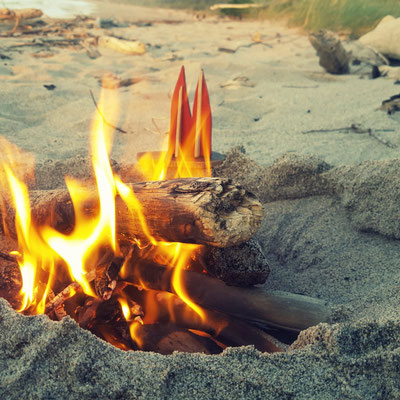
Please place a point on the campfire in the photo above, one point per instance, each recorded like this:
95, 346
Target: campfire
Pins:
152, 265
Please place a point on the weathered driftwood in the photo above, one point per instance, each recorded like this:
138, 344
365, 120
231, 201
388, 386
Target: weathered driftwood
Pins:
275, 308
235, 6
17, 16
21, 14
209, 211
241, 265
122, 46
227, 330
332, 55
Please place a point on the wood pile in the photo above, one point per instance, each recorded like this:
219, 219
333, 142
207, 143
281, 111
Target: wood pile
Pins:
213, 212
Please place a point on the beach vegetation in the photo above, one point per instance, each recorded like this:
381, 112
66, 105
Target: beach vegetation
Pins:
354, 17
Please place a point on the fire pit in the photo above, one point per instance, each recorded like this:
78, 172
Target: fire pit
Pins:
154, 265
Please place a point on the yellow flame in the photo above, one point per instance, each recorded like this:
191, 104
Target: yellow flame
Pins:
126, 311
31, 258
22, 224
41, 248
180, 261
134, 330
81, 247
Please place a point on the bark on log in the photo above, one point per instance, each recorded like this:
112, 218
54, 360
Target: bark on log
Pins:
275, 309
332, 55
209, 211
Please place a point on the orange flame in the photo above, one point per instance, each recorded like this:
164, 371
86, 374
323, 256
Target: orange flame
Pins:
31, 257
188, 155
40, 248
80, 249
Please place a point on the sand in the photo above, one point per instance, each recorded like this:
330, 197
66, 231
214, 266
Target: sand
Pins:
331, 201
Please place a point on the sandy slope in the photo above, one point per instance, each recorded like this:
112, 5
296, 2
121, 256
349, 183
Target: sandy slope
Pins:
331, 228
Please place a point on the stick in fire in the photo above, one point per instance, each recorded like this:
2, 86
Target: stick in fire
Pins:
210, 211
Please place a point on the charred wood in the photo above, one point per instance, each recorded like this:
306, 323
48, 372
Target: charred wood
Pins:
276, 309
166, 308
243, 265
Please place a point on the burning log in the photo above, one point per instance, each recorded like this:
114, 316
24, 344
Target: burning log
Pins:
225, 329
209, 211
275, 309
167, 338
65, 294
106, 275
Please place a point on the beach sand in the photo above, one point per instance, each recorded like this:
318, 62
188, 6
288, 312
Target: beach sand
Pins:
331, 201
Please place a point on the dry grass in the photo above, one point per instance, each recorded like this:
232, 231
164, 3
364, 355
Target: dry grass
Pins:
352, 16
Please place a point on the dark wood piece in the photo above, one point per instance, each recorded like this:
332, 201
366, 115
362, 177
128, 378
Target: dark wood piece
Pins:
225, 329
332, 55
243, 265
275, 308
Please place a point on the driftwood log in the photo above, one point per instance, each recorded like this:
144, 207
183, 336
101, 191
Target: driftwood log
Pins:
241, 265
210, 211
277, 309
7, 14
234, 6
17, 16
332, 55
167, 307
121, 45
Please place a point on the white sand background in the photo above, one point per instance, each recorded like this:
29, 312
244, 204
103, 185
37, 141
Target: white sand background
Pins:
337, 241
286, 91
